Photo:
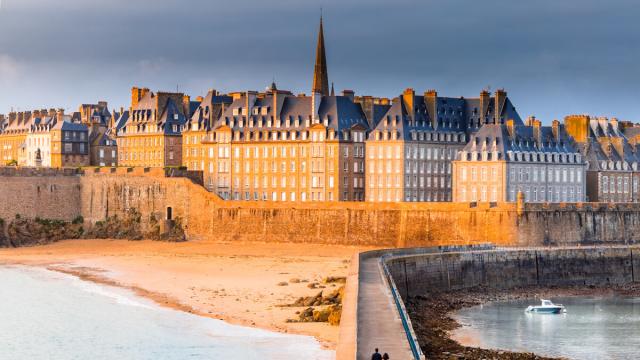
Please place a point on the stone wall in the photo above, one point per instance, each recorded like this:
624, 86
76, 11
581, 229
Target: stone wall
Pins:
100, 193
44, 193
425, 273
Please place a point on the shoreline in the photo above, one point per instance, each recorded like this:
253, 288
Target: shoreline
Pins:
240, 284
433, 318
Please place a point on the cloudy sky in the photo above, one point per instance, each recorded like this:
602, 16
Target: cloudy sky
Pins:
553, 57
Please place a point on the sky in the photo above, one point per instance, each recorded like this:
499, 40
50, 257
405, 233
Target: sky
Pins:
554, 58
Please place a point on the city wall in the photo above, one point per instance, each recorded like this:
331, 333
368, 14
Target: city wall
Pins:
98, 193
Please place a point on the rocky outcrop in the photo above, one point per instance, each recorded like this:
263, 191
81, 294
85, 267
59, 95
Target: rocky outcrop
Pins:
29, 232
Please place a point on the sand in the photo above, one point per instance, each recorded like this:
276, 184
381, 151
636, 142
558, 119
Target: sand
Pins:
235, 282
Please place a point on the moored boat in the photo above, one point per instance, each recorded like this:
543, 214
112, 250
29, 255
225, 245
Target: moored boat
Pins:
547, 307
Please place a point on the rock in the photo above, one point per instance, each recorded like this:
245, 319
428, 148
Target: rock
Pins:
283, 283
294, 280
334, 279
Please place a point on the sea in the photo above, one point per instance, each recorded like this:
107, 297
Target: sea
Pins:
592, 328
49, 315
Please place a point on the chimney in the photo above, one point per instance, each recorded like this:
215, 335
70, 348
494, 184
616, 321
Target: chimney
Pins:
537, 134
511, 128
275, 110
484, 106
186, 105
615, 125
249, 101
366, 102
409, 97
501, 99
555, 128
60, 115
431, 100
349, 93
316, 98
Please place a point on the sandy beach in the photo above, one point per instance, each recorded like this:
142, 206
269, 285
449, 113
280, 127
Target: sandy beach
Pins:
241, 283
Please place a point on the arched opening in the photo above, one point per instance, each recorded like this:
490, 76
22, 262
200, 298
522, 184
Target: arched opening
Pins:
169, 213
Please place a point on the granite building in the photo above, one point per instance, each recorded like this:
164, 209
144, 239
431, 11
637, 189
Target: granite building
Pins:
413, 141
149, 135
44, 138
103, 149
613, 172
502, 160
278, 146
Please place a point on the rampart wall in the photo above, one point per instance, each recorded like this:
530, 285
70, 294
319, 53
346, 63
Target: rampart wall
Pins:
99, 193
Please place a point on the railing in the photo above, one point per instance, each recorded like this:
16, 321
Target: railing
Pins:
402, 311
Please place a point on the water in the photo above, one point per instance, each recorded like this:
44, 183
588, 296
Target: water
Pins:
592, 328
48, 315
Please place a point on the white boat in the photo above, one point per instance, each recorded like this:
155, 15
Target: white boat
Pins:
547, 307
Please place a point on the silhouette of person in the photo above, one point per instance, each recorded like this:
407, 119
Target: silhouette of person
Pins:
376, 355
385, 356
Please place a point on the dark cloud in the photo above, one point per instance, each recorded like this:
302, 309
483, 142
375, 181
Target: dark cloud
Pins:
553, 57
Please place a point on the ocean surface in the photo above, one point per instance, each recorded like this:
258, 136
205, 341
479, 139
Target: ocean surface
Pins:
49, 315
592, 328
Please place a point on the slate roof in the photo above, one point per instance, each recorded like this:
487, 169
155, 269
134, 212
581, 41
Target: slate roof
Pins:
338, 112
607, 147
454, 115
496, 138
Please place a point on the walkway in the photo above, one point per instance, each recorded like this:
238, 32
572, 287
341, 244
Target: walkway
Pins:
379, 325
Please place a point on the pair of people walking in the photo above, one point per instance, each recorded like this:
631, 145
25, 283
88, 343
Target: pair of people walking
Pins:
376, 356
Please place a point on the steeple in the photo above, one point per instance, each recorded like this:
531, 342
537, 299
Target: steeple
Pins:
320, 75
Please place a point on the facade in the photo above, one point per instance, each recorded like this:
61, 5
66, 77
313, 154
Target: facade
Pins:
502, 160
44, 138
103, 150
197, 129
150, 133
613, 173
414, 140
274, 146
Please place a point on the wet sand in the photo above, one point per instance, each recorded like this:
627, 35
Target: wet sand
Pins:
241, 283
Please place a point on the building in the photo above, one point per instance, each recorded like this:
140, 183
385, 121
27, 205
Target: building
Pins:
197, 129
613, 172
44, 138
502, 160
281, 147
414, 140
149, 135
103, 149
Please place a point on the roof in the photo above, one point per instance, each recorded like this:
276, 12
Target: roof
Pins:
295, 112
499, 140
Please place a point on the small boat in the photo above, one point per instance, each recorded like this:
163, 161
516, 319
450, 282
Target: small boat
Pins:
547, 307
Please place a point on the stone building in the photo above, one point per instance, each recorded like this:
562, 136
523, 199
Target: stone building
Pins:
44, 138
502, 160
197, 129
613, 172
281, 147
150, 133
413, 141
103, 149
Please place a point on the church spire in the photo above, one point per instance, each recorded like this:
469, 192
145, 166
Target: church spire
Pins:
320, 75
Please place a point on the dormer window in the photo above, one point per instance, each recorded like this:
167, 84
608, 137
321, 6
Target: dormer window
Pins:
236, 112
176, 116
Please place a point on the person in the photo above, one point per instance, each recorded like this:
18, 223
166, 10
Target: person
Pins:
376, 355
385, 356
